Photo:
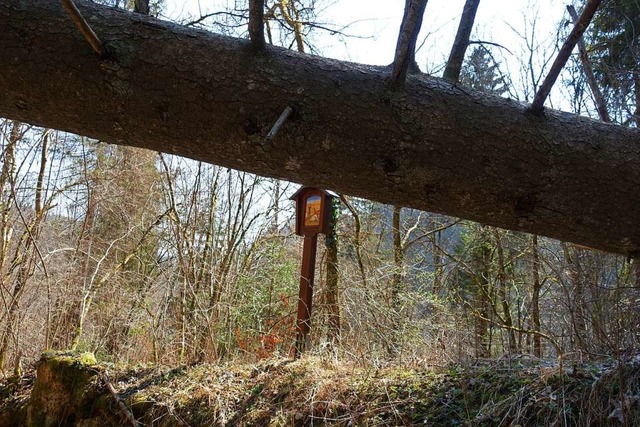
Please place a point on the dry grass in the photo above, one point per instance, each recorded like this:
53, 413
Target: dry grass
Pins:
316, 391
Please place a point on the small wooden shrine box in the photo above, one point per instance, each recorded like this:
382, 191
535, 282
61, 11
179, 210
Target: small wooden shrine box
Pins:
313, 210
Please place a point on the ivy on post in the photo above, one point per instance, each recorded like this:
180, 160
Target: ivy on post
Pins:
313, 216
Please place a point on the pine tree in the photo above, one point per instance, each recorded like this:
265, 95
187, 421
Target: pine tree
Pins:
481, 72
615, 47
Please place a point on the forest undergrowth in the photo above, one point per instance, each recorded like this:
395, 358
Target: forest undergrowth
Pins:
318, 391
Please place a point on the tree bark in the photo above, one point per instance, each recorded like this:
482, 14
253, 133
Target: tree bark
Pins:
576, 300
404, 60
398, 259
459, 48
433, 147
483, 298
507, 320
141, 6
535, 297
256, 23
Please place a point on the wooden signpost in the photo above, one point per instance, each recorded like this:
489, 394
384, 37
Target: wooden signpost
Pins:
313, 216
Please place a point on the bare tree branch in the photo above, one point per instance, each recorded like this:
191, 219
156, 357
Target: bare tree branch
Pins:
83, 26
405, 55
141, 6
454, 63
211, 15
563, 55
256, 23
125, 412
484, 42
598, 99
357, 240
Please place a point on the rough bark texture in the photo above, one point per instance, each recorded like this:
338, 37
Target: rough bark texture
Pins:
460, 44
434, 147
535, 297
404, 60
256, 23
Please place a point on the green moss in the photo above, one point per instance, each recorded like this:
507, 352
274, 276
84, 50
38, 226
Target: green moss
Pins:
140, 403
88, 359
62, 391
296, 393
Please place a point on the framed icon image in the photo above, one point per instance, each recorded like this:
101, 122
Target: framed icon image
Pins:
312, 211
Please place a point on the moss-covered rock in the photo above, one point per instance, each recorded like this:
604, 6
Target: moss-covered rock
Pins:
62, 393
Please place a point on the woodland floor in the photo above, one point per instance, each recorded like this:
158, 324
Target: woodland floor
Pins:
317, 391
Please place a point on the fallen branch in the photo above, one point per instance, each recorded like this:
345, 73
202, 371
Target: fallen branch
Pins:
126, 413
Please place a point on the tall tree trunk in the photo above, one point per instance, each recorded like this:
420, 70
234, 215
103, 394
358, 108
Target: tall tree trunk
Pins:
357, 241
438, 269
636, 90
503, 293
7, 172
576, 295
332, 283
398, 255
276, 206
535, 296
7, 182
397, 280
25, 256
432, 147
483, 297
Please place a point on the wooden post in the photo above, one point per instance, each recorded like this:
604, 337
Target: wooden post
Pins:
313, 215
305, 297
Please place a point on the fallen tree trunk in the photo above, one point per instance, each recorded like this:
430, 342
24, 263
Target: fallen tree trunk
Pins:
433, 146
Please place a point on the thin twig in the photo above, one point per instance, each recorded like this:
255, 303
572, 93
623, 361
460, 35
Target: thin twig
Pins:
563, 55
406, 47
548, 337
256, 23
339, 31
202, 18
601, 105
483, 42
430, 233
84, 27
278, 124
